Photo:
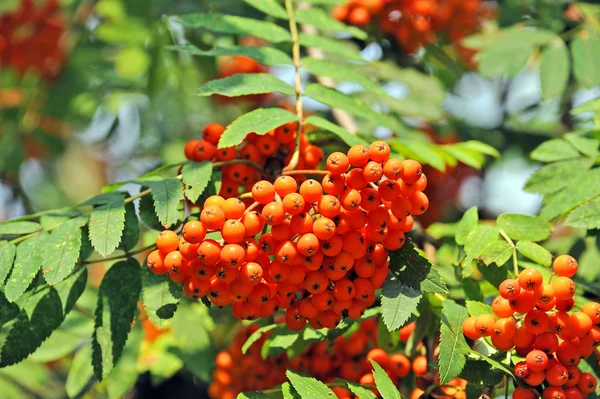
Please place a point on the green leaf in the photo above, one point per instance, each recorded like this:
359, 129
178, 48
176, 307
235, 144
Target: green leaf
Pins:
236, 25
477, 308
308, 387
160, 297
453, 346
62, 250
480, 374
252, 395
106, 225
243, 84
495, 275
166, 193
585, 50
498, 252
255, 336
59, 345
80, 372
477, 240
196, 175
341, 73
415, 270
331, 46
359, 391
442, 230
259, 121
384, 384
535, 252
269, 7
263, 55
288, 391
578, 191
481, 148
554, 150
70, 289
346, 136
124, 375
524, 227
586, 216
281, 339
117, 299
465, 155
25, 227
554, 69
586, 145
193, 343
29, 258
505, 58
556, 176
40, 314
588, 106
131, 231
324, 21
350, 104
466, 224
398, 302
147, 214
7, 256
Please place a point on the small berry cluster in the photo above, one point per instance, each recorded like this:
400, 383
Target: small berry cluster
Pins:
324, 255
416, 23
32, 38
274, 148
552, 340
346, 358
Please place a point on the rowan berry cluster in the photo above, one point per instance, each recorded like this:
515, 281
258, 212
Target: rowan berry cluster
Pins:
534, 318
272, 149
326, 249
346, 358
415, 23
32, 38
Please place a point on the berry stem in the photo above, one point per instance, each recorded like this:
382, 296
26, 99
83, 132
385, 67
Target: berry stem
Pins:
514, 252
298, 81
305, 172
26, 236
251, 207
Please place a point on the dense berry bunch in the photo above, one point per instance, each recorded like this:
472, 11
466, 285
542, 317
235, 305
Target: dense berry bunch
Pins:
416, 23
535, 318
346, 358
32, 38
323, 247
274, 150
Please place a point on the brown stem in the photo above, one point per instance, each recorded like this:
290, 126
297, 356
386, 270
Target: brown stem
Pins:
305, 172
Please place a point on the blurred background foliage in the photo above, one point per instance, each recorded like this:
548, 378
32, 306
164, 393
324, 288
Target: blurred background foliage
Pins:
104, 100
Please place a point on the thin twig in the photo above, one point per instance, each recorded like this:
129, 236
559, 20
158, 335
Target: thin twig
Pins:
305, 172
298, 81
514, 251
121, 256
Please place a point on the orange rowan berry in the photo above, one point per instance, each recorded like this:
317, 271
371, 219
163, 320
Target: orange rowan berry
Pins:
379, 151
372, 172
324, 228
359, 16
522, 393
329, 206
337, 163
301, 224
560, 322
155, 262
419, 365
389, 190
484, 323
209, 252
214, 200
536, 321
232, 255
393, 169
587, 383
263, 192
225, 154
505, 328
363, 290
313, 156
233, 231
195, 287
285, 185
287, 252
501, 307
565, 266
233, 208
333, 184
399, 365
568, 353
546, 341
524, 302
293, 203
581, 323
267, 145
554, 393
212, 217
167, 241
204, 151
537, 360
564, 305
509, 289
212, 133
251, 273
308, 244
557, 375
350, 199
421, 184
253, 223
225, 273
190, 149
419, 202
273, 213
311, 190
501, 343
592, 309
535, 378
358, 155
530, 279
573, 393
469, 329
574, 376
412, 171
297, 275
564, 288
173, 262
